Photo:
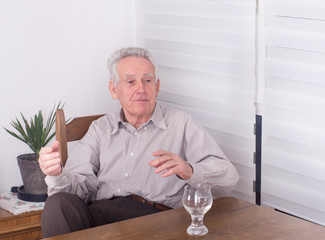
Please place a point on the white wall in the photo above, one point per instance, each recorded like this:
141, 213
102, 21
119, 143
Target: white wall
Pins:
52, 51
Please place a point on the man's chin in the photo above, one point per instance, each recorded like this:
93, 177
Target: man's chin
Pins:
143, 110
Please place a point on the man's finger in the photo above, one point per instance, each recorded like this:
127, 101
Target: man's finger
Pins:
159, 161
45, 150
50, 156
53, 170
159, 153
56, 146
165, 166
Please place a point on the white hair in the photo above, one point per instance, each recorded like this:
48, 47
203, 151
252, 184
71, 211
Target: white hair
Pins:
122, 53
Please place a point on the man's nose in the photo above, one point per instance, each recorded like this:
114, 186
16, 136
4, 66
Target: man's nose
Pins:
141, 87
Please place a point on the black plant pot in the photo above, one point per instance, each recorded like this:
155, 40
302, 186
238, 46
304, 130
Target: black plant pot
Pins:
33, 179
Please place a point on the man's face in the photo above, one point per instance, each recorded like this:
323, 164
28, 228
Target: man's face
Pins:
136, 90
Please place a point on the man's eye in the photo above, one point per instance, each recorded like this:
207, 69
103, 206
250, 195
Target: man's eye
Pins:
130, 82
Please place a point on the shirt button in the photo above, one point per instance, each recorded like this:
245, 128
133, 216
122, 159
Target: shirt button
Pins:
118, 190
131, 154
145, 128
135, 133
126, 174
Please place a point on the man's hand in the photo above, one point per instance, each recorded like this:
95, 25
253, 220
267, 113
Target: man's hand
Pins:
50, 160
171, 164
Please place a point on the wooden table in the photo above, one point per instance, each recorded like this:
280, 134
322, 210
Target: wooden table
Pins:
20, 227
228, 219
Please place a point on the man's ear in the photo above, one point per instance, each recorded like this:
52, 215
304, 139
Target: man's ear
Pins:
157, 87
112, 89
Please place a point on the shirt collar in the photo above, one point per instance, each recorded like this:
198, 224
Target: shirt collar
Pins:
118, 122
157, 119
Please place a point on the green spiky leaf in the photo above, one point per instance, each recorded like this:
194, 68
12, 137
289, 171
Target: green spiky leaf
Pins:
34, 133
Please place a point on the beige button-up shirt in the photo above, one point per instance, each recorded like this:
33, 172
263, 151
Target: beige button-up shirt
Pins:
113, 158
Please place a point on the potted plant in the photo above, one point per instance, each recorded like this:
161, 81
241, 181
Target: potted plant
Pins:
36, 135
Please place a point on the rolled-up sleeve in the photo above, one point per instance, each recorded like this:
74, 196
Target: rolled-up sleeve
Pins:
220, 174
208, 161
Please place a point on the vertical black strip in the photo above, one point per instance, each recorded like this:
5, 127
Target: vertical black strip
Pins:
258, 151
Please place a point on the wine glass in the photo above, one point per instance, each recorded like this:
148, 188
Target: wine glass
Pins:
197, 200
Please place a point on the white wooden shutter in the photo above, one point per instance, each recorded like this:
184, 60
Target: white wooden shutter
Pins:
293, 155
206, 56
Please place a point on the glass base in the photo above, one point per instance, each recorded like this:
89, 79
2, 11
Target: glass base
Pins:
197, 231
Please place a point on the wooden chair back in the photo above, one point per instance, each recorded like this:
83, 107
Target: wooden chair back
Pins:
71, 131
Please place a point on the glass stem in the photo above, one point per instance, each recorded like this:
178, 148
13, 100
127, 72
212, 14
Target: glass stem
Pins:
197, 220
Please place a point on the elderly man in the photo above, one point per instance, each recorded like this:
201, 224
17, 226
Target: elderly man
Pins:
146, 151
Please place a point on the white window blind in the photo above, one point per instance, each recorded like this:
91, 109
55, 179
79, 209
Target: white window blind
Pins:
206, 56
293, 154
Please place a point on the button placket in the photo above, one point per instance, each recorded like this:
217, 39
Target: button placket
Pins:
132, 153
